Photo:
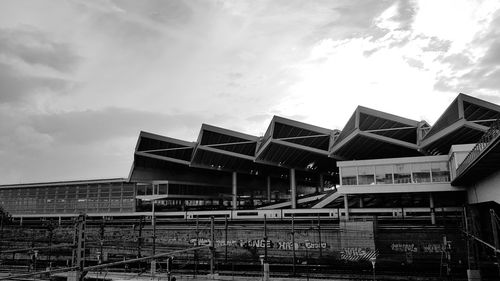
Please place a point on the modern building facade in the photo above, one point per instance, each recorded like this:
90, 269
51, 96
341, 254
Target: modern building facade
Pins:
294, 165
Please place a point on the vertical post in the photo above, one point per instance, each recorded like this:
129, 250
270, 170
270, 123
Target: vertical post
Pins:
212, 245
139, 238
235, 191
346, 207
494, 228
197, 244
269, 189
153, 223
319, 236
432, 209
265, 238
321, 184
361, 201
79, 252
225, 238
293, 188
467, 240
101, 242
293, 244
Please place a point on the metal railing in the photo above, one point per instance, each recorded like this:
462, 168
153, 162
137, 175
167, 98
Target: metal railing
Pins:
488, 137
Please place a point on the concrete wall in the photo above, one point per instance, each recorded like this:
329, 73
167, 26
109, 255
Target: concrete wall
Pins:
487, 189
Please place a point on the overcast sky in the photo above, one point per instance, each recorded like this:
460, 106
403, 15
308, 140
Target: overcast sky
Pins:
80, 79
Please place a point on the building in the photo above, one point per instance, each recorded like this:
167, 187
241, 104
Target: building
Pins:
378, 160
379, 165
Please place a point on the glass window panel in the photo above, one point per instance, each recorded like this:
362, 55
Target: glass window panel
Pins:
421, 172
366, 175
162, 188
402, 173
349, 176
440, 172
383, 174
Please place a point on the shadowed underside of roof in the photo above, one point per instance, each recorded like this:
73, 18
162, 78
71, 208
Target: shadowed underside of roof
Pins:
374, 134
464, 121
294, 144
369, 134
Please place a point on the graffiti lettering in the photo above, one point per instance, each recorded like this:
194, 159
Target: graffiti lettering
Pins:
313, 245
432, 248
403, 247
282, 245
256, 243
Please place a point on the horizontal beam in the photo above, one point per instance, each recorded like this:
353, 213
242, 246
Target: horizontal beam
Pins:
398, 188
164, 158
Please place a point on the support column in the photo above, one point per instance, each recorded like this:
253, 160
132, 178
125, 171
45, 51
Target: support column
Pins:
361, 205
321, 187
431, 205
268, 189
293, 188
346, 207
235, 191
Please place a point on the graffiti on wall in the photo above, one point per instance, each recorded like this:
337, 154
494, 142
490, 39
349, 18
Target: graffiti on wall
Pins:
358, 254
429, 248
261, 243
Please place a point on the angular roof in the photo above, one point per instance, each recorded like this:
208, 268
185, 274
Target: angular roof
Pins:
293, 144
373, 134
164, 148
223, 149
464, 121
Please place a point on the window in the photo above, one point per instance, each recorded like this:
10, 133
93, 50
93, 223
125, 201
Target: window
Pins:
366, 175
349, 176
402, 173
421, 172
440, 172
383, 174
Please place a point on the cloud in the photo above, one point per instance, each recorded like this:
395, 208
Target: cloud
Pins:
16, 86
165, 12
35, 47
400, 16
93, 126
476, 70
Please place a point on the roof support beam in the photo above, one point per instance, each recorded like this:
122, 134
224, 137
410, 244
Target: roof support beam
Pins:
389, 140
229, 143
347, 139
303, 137
168, 159
448, 130
301, 147
225, 152
390, 129
164, 149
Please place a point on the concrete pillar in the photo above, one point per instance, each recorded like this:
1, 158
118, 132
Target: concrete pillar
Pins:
268, 189
321, 186
346, 207
293, 188
431, 205
361, 205
235, 191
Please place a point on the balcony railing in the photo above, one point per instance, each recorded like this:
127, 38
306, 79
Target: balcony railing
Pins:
488, 137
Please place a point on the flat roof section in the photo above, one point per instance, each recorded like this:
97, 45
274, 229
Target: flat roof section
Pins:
59, 183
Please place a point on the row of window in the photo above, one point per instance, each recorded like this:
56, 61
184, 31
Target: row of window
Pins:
180, 189
396, 174
115, 197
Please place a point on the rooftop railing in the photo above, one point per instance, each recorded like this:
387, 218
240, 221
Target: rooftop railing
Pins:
488, 137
